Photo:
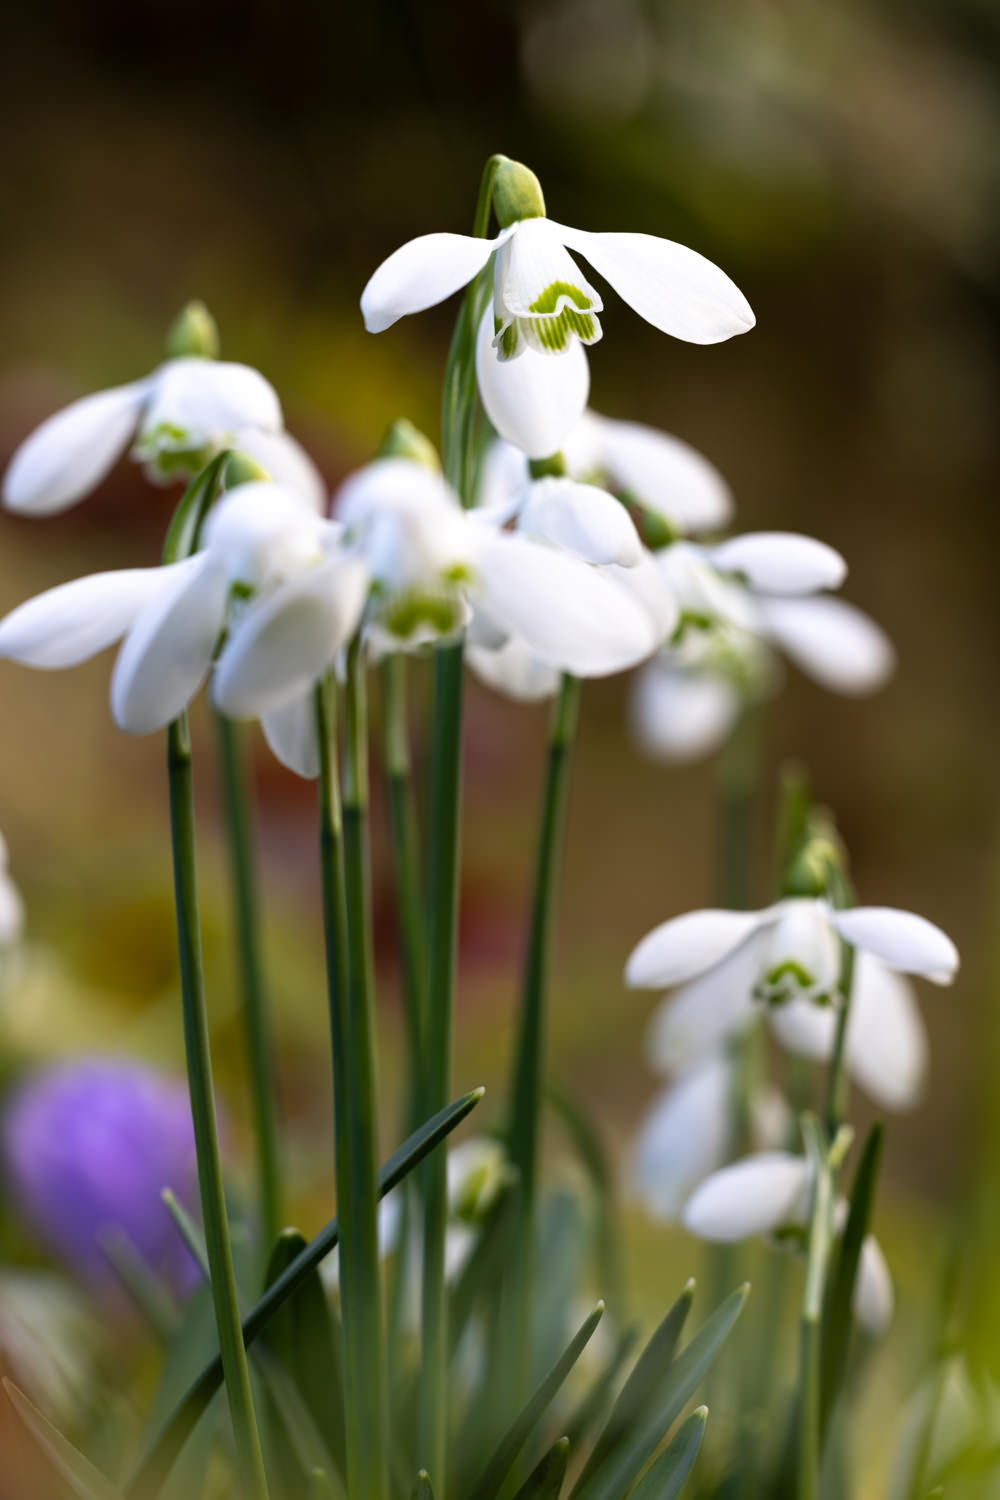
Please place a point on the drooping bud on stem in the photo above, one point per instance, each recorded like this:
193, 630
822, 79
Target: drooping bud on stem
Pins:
193, 333
403, 440
517, 193
819, 866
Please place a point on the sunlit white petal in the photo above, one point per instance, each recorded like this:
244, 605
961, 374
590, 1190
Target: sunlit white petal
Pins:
663, 473
286, 461
703, 1013
534, 400
515, 670
680, 716
72, 451
887, 1048
209, 399
832, 641
68, 624
781, 562
290, 731
420, 274
582, 519
686, 946
758, 1195
683, 1138
873, 1301
900, 939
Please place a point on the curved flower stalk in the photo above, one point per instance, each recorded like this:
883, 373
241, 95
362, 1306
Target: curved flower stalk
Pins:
747, 599
686, 1134
88, 1147
173, 617
176, 420
723, 966
543, 305
769, 1194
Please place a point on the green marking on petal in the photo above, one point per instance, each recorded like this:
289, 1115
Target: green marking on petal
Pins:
408, 612
549, 300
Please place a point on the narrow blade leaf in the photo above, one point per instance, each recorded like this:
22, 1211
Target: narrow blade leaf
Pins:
666, 1478
78, 1472
545, 1481
838, 1320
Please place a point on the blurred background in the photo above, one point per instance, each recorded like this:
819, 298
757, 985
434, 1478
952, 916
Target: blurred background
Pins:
840, 161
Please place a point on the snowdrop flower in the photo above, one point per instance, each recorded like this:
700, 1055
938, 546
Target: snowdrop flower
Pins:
722, 965
687, 1133
175, 419
685, 701
11, 905
770, 1194
543, 305
257, 539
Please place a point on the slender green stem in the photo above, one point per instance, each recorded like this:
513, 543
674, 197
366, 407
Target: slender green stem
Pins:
529, 1057
836, 1078
199, 1066
343, 853
260, 1051
820, 1243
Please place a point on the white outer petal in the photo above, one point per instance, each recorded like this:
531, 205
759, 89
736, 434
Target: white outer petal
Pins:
837, 645
282, 645
504, 478
515, 670
422, 273
758, 1195
887, 1049
667, 475
901, 939
683, 1138
644, 582
689, 945
11, 911
674, 288
71, 452
781, 562
680, 716
873, 1301
287, 462
805, 1028
75, 621
167, 654
533, 400
290, 731
705, 1012
581, 519
212, 398
563, 609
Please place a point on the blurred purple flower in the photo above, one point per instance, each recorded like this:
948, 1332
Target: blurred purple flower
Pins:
88, 1147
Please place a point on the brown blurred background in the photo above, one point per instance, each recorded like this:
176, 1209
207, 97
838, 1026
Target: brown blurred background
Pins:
839, 160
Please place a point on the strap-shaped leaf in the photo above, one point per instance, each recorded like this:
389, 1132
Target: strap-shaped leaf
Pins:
595, 1405
838, 1320
639, 1392
482, 1270
665, 1478
162, 1452
627, 1459
510, 1445
422, 1487
546, 1479
78, 1472
304, 1437
192, 508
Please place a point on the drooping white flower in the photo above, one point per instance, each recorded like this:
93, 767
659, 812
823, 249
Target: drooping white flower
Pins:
175, 419
770, 1194
256, 541
722, 965
687, 1133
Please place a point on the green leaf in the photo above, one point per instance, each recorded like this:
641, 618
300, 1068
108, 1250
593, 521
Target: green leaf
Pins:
150, 1295
559, 1248
303, 1435
422, 1487
625, 1461
192, 508
592, 1157
546, 1480
162, 1452
666, 1478
640, 1389
78, 1472
188, 1231
595, 1404
481, 1272
510, 1445
838, 1318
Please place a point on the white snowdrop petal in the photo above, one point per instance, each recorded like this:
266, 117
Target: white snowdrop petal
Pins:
391, 484
420, 274
805, 1028
644, 582
758, 1195
503, 481
678, 716
874, 1301
533, 400
886, 1046
565, 611
582, 519
287, 462
211, 399
688, 945
901, 939
282, 645
674, 288
781, 562
705, 1012
665, 474
831, 641
683, 1138
167, 653
68, 624
290, 732
514, 670
11, 911
71, 452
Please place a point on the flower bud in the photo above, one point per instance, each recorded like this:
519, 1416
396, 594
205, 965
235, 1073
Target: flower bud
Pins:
193, 332
517, 194
242, 469
403, 440
554, 466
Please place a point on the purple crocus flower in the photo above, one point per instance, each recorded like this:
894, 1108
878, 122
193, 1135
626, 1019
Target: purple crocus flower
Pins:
88, 1147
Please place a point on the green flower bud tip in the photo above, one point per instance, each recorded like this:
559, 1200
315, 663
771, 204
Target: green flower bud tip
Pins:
242, 469
193, 332
403, 440
517, 193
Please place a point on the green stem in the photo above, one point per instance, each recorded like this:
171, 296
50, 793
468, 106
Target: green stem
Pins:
529, 1064
260, 1051
820, 1243
199, 1066
342, 860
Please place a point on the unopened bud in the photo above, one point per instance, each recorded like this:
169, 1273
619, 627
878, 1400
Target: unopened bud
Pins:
403, 440
517, 193
242, 469
193, 332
